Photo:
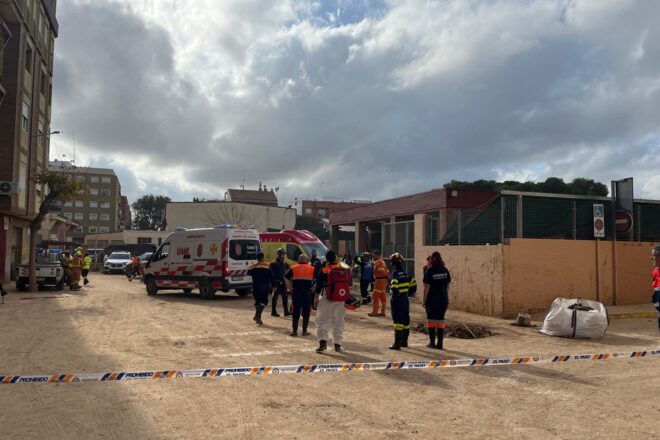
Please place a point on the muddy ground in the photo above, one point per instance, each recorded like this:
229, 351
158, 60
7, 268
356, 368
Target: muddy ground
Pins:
114, 325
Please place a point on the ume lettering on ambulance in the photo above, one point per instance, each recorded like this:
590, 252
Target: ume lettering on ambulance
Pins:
300, 280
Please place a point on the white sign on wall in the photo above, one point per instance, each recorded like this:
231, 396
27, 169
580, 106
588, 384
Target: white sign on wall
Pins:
599, 221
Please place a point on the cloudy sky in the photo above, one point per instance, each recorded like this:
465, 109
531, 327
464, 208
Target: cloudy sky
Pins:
361, 99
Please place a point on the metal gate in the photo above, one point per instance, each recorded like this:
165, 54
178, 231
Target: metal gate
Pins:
400, 237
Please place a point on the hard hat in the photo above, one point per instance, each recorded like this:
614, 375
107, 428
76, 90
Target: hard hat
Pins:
396, 257
353, 302
281, 251
302, 258
78, 253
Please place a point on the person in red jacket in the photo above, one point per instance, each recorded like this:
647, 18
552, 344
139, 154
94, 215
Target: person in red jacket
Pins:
655, 283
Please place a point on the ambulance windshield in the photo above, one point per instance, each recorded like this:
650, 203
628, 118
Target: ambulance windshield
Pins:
243, 249
320, 249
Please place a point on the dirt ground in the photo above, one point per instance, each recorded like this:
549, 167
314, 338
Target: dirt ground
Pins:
114, 325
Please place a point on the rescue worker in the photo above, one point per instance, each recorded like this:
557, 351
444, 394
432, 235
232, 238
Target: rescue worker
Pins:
76, 268
381, 275
65, 261
262, 282
331, 313
133, 268
279, 268
87, 263
300, 280
655, 298
366, 275
436, 299
402, 286
315, 261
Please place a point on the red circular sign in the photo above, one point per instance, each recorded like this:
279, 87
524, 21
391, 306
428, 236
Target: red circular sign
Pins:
599, 224
624, 221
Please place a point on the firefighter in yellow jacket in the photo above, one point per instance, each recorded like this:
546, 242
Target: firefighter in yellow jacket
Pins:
76, 269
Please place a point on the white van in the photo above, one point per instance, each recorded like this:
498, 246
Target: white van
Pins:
208, 259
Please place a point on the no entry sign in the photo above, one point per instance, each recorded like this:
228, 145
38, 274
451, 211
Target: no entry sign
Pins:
624, 221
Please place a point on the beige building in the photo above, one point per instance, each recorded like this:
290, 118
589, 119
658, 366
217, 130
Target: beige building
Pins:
99, 209
210, 214
28, 29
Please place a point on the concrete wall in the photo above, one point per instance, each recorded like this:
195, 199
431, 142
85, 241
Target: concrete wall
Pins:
210, 214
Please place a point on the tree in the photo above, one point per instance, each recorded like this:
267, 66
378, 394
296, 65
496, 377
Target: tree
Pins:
61, 186
148, 212
553, 185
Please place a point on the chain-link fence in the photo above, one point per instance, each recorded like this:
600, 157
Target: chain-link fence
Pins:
400, 237
511, 216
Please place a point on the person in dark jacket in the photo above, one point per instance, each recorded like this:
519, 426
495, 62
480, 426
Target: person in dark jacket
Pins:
300, 280
279, 268
316, 263
262, 282
366, 265
436, 299
402, 286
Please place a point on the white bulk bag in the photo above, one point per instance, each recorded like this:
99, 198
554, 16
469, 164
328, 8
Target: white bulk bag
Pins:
576, 318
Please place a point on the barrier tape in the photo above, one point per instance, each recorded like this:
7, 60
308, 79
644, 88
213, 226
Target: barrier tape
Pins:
322, 368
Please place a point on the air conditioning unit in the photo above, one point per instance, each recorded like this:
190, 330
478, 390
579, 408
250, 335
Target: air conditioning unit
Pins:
7, 188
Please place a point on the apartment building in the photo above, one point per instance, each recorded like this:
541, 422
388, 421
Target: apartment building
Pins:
321, 208
28, 29
98, 209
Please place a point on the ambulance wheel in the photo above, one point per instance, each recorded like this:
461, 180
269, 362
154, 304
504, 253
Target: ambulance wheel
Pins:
205, 289
187, 290
243, 292
152, 288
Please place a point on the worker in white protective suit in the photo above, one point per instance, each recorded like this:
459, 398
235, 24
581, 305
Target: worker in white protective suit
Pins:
332, 291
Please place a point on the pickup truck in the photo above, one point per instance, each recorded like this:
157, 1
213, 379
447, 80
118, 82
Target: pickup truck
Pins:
49, 273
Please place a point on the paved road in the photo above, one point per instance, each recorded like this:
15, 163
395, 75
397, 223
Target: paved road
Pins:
114, 325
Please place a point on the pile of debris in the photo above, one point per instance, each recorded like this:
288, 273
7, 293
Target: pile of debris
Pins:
458, 330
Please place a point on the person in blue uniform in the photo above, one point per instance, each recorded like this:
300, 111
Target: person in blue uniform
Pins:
436, 299
402, 286
262, 282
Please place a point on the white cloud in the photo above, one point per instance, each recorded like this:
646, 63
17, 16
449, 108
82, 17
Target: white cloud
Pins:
372, 98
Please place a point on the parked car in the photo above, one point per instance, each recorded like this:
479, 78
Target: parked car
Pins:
49, 273
116, 262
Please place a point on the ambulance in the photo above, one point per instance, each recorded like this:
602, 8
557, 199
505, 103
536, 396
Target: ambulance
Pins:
208, 259
295, 243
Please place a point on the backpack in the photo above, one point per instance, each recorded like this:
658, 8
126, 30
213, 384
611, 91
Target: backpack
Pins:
338, 287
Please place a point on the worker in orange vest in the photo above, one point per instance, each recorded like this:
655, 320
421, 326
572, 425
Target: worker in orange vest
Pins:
381, 274
300, 280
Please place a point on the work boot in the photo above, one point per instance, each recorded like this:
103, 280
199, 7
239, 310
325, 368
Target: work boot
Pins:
398, 335
295, 326
404, 338
305, 324
86, 281
257, 316
441, 336
274, 313
285, 301
431, 343
323, 346
338, 348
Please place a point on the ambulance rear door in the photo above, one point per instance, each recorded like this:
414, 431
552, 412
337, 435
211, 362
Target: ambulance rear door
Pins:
242, 249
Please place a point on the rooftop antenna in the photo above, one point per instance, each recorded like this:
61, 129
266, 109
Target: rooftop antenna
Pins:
243, 181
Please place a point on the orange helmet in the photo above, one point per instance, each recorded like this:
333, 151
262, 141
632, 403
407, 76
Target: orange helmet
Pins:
396, 257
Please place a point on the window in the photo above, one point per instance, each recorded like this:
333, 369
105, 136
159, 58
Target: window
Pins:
105, 217
68, 215
92, 229
28, 59
93, 216
80, 204
431, 229
80, 178
105, 180
40, 141
105, 192
93, 204
308, 211
105, 205
144, 240
42, 84
94, 179
323, 212
162, 252
78, 216
93, 191
293, 252
79, 229
104, 229
68, 204
243, 249
26, 116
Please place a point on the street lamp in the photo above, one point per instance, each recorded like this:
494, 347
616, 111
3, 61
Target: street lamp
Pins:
45, 134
